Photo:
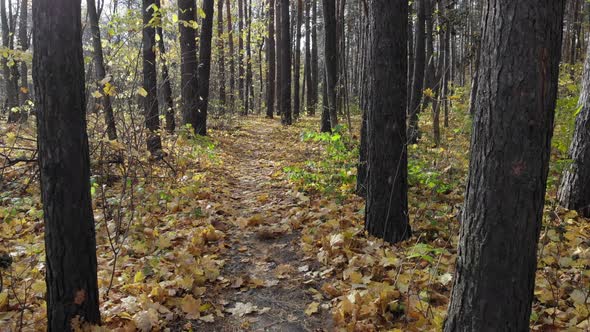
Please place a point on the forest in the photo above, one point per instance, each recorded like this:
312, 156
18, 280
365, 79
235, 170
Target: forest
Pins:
294, 165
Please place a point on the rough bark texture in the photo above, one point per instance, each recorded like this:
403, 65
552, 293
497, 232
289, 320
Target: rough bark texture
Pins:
418, 75
331, 54
64, 164
270, 56
286, 118
204, 67
188, 68
100, 69
510, 150
387, 184
574, 192
150, 80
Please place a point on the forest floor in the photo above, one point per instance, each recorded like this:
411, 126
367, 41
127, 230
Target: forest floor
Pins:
257, 228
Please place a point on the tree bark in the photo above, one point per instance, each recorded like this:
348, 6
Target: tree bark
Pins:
309, 79
315, 67
23, 39
241, 69
386, 213
574, 191
510, 151
232, 66
418, 75
99, 66
150, 80
10, 79
221, 46
270, 56
187, 14
64, 164
331, 58
166, 85
297, 65
286, 117
204, 67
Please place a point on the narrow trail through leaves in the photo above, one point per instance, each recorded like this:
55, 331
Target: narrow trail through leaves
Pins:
271, 285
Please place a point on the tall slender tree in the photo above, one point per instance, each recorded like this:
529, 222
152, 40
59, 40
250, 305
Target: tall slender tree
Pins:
101, 70
315, 67
286, 117
166, 88
232, 66
510, 150
241, 69
10, 79
331, 58
23, 40
150, 80
188, 69
204, 67
418, 74
270, 56
386, 212
221, 46
297, 65
307, 66
64, 164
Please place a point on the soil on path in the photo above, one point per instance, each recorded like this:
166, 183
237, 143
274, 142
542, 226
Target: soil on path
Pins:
266, 283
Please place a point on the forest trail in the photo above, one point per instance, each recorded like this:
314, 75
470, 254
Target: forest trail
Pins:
270, 281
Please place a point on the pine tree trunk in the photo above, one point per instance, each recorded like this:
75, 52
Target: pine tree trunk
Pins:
331, 54
188, 69
418, 75
109, 117
232, 66
510, 151
297, 65
386, 213
309, 79
574, 191
286, 117
64, 164
315, 67
204, 69
221, 46
270, 56
150, 81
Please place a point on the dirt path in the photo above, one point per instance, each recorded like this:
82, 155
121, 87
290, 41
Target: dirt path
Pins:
267, 283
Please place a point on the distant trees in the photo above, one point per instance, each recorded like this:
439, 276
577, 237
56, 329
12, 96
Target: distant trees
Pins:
510, 151
64, 164
271, 61
386, 213
574, 191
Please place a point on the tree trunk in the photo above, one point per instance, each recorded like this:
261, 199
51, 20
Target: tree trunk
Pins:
166, 85
386, 212
309, 79
325, 120
574, 191
232, 66
418, 75
188, 68
249, 98
64, 164
315, 67
270, 56
221, 46
10, 79
204, 67
241, 69
150, 80
286, 118
109, 117
297, 66
331, 58
510, 151
23, 39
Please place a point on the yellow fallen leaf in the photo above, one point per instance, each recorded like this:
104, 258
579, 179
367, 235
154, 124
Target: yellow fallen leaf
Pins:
312, 308
139, 277
191, 307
